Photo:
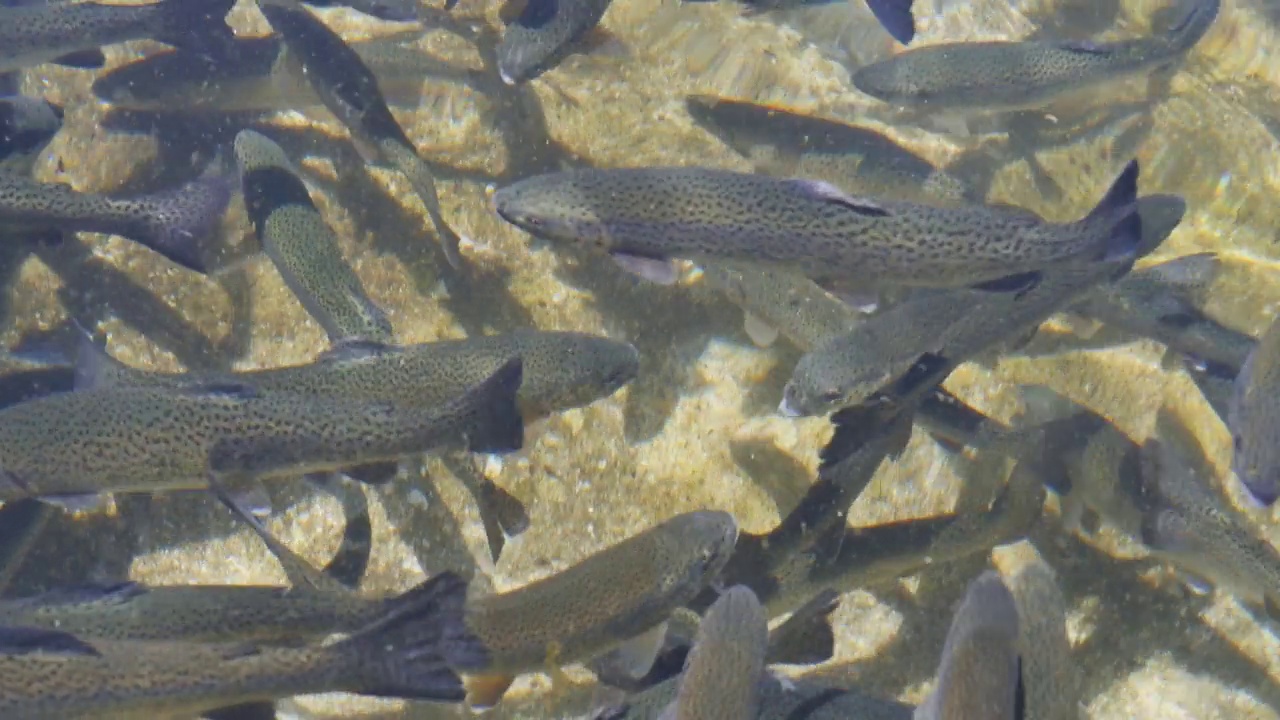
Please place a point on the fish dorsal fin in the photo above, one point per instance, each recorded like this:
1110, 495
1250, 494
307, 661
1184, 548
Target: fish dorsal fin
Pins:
826, 192
29, 641
94, 366
113, 593
355, 350
225, 389
1084, 47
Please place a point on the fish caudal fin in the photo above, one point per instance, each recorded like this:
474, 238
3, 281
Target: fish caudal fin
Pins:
411, 652
895, 16
495, 424
195, 24
806, 638
174, 223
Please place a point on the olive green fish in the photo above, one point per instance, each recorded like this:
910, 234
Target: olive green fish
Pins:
406, 652
171, 223
620, 596
1188, 526
146, 440
543, 35
350, 91
1253, 419
302, 246
855, 159
1050, 677
644, 217
998, 75
978, 676
72, 33
722, 675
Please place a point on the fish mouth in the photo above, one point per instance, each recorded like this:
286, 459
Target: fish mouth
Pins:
785, 409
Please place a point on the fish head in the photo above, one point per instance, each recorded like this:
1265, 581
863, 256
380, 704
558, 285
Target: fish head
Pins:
709, 536
892, 81
821, 385
574, 370
1257, 465
552, 207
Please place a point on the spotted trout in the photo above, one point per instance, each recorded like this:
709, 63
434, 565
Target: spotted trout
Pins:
101, 440
1020, 75
644, 217
406, 652
722, 675
1253, 416
543, 34
620, 596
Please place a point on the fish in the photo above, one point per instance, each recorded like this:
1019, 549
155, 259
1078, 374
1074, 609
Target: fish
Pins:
170, 222
389, 10
1252, 420
1050, 676
644, 217
1004, 76
799, 699
619, 597
543, 34
302, 246
1188, 526
781, 301
27, 124
894, 16
65, 447
979, 674
72, 33
349, 89
856, 159
407, 652
257, 74
911, 347
721, 678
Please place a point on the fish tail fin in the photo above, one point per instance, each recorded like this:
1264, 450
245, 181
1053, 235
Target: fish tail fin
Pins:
411, 652
494, 423
1188, 31
896, 18
1116, 219
806, 638
195, 24
175, 222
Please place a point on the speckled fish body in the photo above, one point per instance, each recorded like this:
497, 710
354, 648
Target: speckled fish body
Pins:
647, 216
561, 371
349, 89
146, 440
611, 597
1163, 302
978, 675
1018, 75
193, 613
1050, 676
721, 679
784, 300
1188, 525
1254, 419
855, 159
915, 344
71, 33
169, 222
302, 246
407, 652
27, 124
256, 74
544, 34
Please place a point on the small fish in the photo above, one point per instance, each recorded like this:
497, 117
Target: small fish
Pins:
27, 125
912, 346
619, 597
303, 247
979, 675
544, 34
349, 89
998, 76
98, 440
257, 74
170, 222
72, 33
779, 300
855, 159
1188, 526
1050, 676
406, 652
1253, 417
644, 217
722, 675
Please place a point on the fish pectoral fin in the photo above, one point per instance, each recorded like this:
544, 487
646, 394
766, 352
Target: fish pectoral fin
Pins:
1018, 283
82, 59
26, 641
655, 270
761, 333
1085, 47
486, 691
248, 494
637, 655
